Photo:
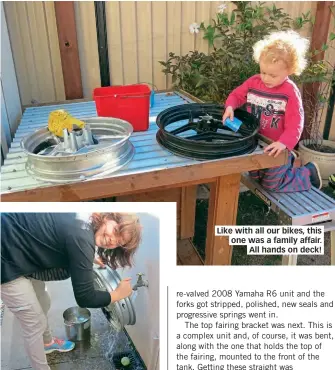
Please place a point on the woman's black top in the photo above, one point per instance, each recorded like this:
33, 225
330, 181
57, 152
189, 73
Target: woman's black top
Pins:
47, 246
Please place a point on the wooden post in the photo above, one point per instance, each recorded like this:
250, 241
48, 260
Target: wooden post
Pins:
68, 45
187, 211
222, 210
319, 37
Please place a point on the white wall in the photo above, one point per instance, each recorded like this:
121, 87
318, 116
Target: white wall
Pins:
145, 333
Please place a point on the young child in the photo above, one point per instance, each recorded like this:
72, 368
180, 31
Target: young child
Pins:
276, 102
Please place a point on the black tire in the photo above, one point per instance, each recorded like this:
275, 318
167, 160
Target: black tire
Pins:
210, 145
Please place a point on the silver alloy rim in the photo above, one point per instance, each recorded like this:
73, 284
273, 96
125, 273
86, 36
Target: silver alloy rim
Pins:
76, 158
121, 313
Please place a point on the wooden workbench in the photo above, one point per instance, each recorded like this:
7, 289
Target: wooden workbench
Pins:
153, 174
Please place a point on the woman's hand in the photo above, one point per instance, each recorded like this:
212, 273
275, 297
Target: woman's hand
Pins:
275, 149
229, 112
123, 290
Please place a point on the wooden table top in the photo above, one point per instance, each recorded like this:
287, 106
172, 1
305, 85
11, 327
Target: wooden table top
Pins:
152, 166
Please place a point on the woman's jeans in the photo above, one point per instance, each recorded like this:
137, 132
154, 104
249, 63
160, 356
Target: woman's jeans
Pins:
29, 301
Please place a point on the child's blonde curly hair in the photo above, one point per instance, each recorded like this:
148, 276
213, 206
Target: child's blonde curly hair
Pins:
287, 46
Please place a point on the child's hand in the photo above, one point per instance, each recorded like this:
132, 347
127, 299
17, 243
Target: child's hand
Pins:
229, 112
275, 149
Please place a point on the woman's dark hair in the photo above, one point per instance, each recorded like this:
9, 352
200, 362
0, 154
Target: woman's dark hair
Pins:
129, 228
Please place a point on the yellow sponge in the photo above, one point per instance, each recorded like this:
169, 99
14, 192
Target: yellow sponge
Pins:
60, 119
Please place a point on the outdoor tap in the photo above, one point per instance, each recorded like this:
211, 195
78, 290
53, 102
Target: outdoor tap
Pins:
140, 282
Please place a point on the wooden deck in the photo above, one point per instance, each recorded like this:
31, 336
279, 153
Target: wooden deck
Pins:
187, 254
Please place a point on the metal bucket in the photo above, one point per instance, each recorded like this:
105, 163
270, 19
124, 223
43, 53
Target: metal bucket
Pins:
77, 323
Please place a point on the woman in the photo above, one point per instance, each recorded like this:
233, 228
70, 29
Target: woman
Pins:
39, 247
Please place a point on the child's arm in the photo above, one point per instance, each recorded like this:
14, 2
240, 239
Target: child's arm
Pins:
294, 121
239, 95
236, 98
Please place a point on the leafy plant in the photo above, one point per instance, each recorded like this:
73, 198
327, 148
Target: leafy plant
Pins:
318, 81
230, 61
231, 37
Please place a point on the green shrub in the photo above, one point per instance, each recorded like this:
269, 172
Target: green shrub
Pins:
231, 36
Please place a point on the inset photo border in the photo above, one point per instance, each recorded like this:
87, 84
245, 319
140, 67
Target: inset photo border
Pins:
93, 271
